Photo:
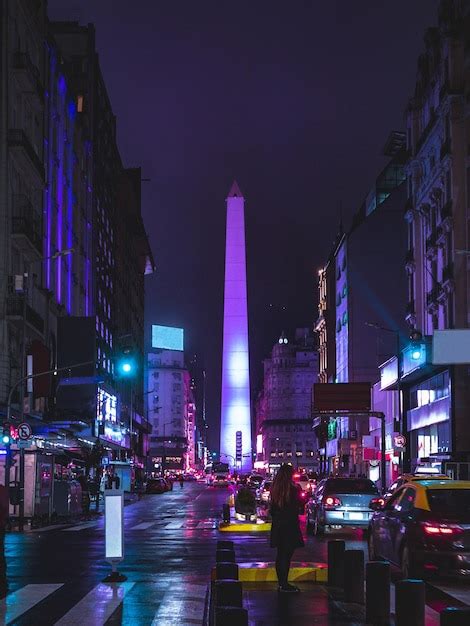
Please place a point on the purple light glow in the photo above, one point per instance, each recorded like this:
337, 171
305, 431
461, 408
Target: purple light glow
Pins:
70, 208
235, 409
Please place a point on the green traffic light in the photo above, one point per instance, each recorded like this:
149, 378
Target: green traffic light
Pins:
6, 439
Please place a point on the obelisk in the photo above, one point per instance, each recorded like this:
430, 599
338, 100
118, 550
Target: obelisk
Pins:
235, 426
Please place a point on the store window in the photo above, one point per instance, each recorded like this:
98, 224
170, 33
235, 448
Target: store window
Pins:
430, 390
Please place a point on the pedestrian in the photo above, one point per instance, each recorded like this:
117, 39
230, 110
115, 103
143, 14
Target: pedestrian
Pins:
83, 480
181, 481
4, 515
286, 535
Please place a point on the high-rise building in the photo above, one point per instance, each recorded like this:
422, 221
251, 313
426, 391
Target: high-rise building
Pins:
284, 426
235, 428
367, 260
25, 307
171, 404
436, 399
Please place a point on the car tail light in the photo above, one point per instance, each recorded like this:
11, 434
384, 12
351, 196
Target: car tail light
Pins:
303, 494
330, 502
434, 529
378, 501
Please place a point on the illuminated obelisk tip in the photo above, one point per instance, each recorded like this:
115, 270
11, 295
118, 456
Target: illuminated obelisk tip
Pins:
235, 427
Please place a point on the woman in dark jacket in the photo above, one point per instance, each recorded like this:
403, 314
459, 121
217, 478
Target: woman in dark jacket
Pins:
285, 530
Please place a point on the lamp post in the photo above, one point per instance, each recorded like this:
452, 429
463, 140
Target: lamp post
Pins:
401, 419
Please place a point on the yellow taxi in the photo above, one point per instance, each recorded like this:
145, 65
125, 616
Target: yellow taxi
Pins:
424, 528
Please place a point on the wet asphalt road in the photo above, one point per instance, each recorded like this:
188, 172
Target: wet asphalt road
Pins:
170, 542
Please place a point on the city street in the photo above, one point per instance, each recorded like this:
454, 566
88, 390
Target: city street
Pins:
169, 551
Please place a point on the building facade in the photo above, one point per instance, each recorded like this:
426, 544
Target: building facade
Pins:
436, 399
284, 404
369, 325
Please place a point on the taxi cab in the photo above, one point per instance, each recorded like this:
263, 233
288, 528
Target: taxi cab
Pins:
424, 529
407, 478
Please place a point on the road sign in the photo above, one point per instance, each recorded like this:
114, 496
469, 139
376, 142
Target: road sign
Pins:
24, 431
399, 441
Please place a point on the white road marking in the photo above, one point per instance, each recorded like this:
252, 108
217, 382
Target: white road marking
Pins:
182, 608
80, 527
18, 602
207, 524
142, 526
97, 606
175, 525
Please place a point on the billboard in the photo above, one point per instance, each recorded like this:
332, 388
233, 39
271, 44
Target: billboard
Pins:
451, 347
341, 397
167, 338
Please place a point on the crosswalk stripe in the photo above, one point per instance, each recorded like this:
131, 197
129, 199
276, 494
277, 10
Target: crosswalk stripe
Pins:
207, 524
97, 606
182, 608
142, 526
80, 527
175, 525
18, 602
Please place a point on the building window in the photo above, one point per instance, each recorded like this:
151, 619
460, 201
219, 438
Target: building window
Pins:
80, 104
345, 318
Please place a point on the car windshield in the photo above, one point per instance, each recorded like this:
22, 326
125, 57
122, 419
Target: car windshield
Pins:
451, 501
267, 486
351, 485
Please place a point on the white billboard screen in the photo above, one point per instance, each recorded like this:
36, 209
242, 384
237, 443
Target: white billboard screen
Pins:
451, 347
167, 338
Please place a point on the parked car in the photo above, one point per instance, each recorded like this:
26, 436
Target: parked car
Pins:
254, 481
340, 502
264, 491
156, 485
424, 529
407, 478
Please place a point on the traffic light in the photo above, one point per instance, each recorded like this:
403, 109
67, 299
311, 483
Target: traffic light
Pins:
6, 435
126, 363
416, 347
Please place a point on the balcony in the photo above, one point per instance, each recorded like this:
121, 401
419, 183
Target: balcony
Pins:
21, 146
27, 74
26, 225
446, 149
432, 297
448, 273
14, 311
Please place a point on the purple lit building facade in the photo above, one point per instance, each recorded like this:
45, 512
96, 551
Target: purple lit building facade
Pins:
366, 272
235, 427
436, 399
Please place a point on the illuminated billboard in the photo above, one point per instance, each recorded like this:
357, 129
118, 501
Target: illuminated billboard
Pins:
167, 338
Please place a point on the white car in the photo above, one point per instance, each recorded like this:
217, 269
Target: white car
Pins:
264, 492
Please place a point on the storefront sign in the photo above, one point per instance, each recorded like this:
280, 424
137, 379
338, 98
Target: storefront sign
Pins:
332, 428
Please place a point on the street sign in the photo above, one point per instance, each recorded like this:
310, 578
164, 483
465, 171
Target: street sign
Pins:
24, 431
399, 441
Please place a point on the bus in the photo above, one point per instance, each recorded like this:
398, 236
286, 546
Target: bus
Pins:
217, 473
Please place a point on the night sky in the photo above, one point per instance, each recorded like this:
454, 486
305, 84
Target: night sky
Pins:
293, 98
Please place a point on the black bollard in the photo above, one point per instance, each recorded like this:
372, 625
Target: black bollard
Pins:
354, 576
336, 563
223, 544
225, 556
226, 513
228, 593
226, 571
409, 602
455, 617
231, 616
378, 592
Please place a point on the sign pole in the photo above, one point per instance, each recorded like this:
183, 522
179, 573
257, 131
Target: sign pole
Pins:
114, 532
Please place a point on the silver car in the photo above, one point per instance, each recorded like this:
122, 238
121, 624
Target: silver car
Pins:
340, 502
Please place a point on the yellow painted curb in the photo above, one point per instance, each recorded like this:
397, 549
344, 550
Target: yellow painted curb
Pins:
267, 574
245, 528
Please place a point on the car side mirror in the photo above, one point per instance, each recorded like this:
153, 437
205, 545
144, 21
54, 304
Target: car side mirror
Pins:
376, 504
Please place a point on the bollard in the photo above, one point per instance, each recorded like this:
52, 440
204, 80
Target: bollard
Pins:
336, 549
228, 593
226, 513
455, 617
354, 576
225, 556
226, 571
231, 616
224, 545
409, 602
378, 592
